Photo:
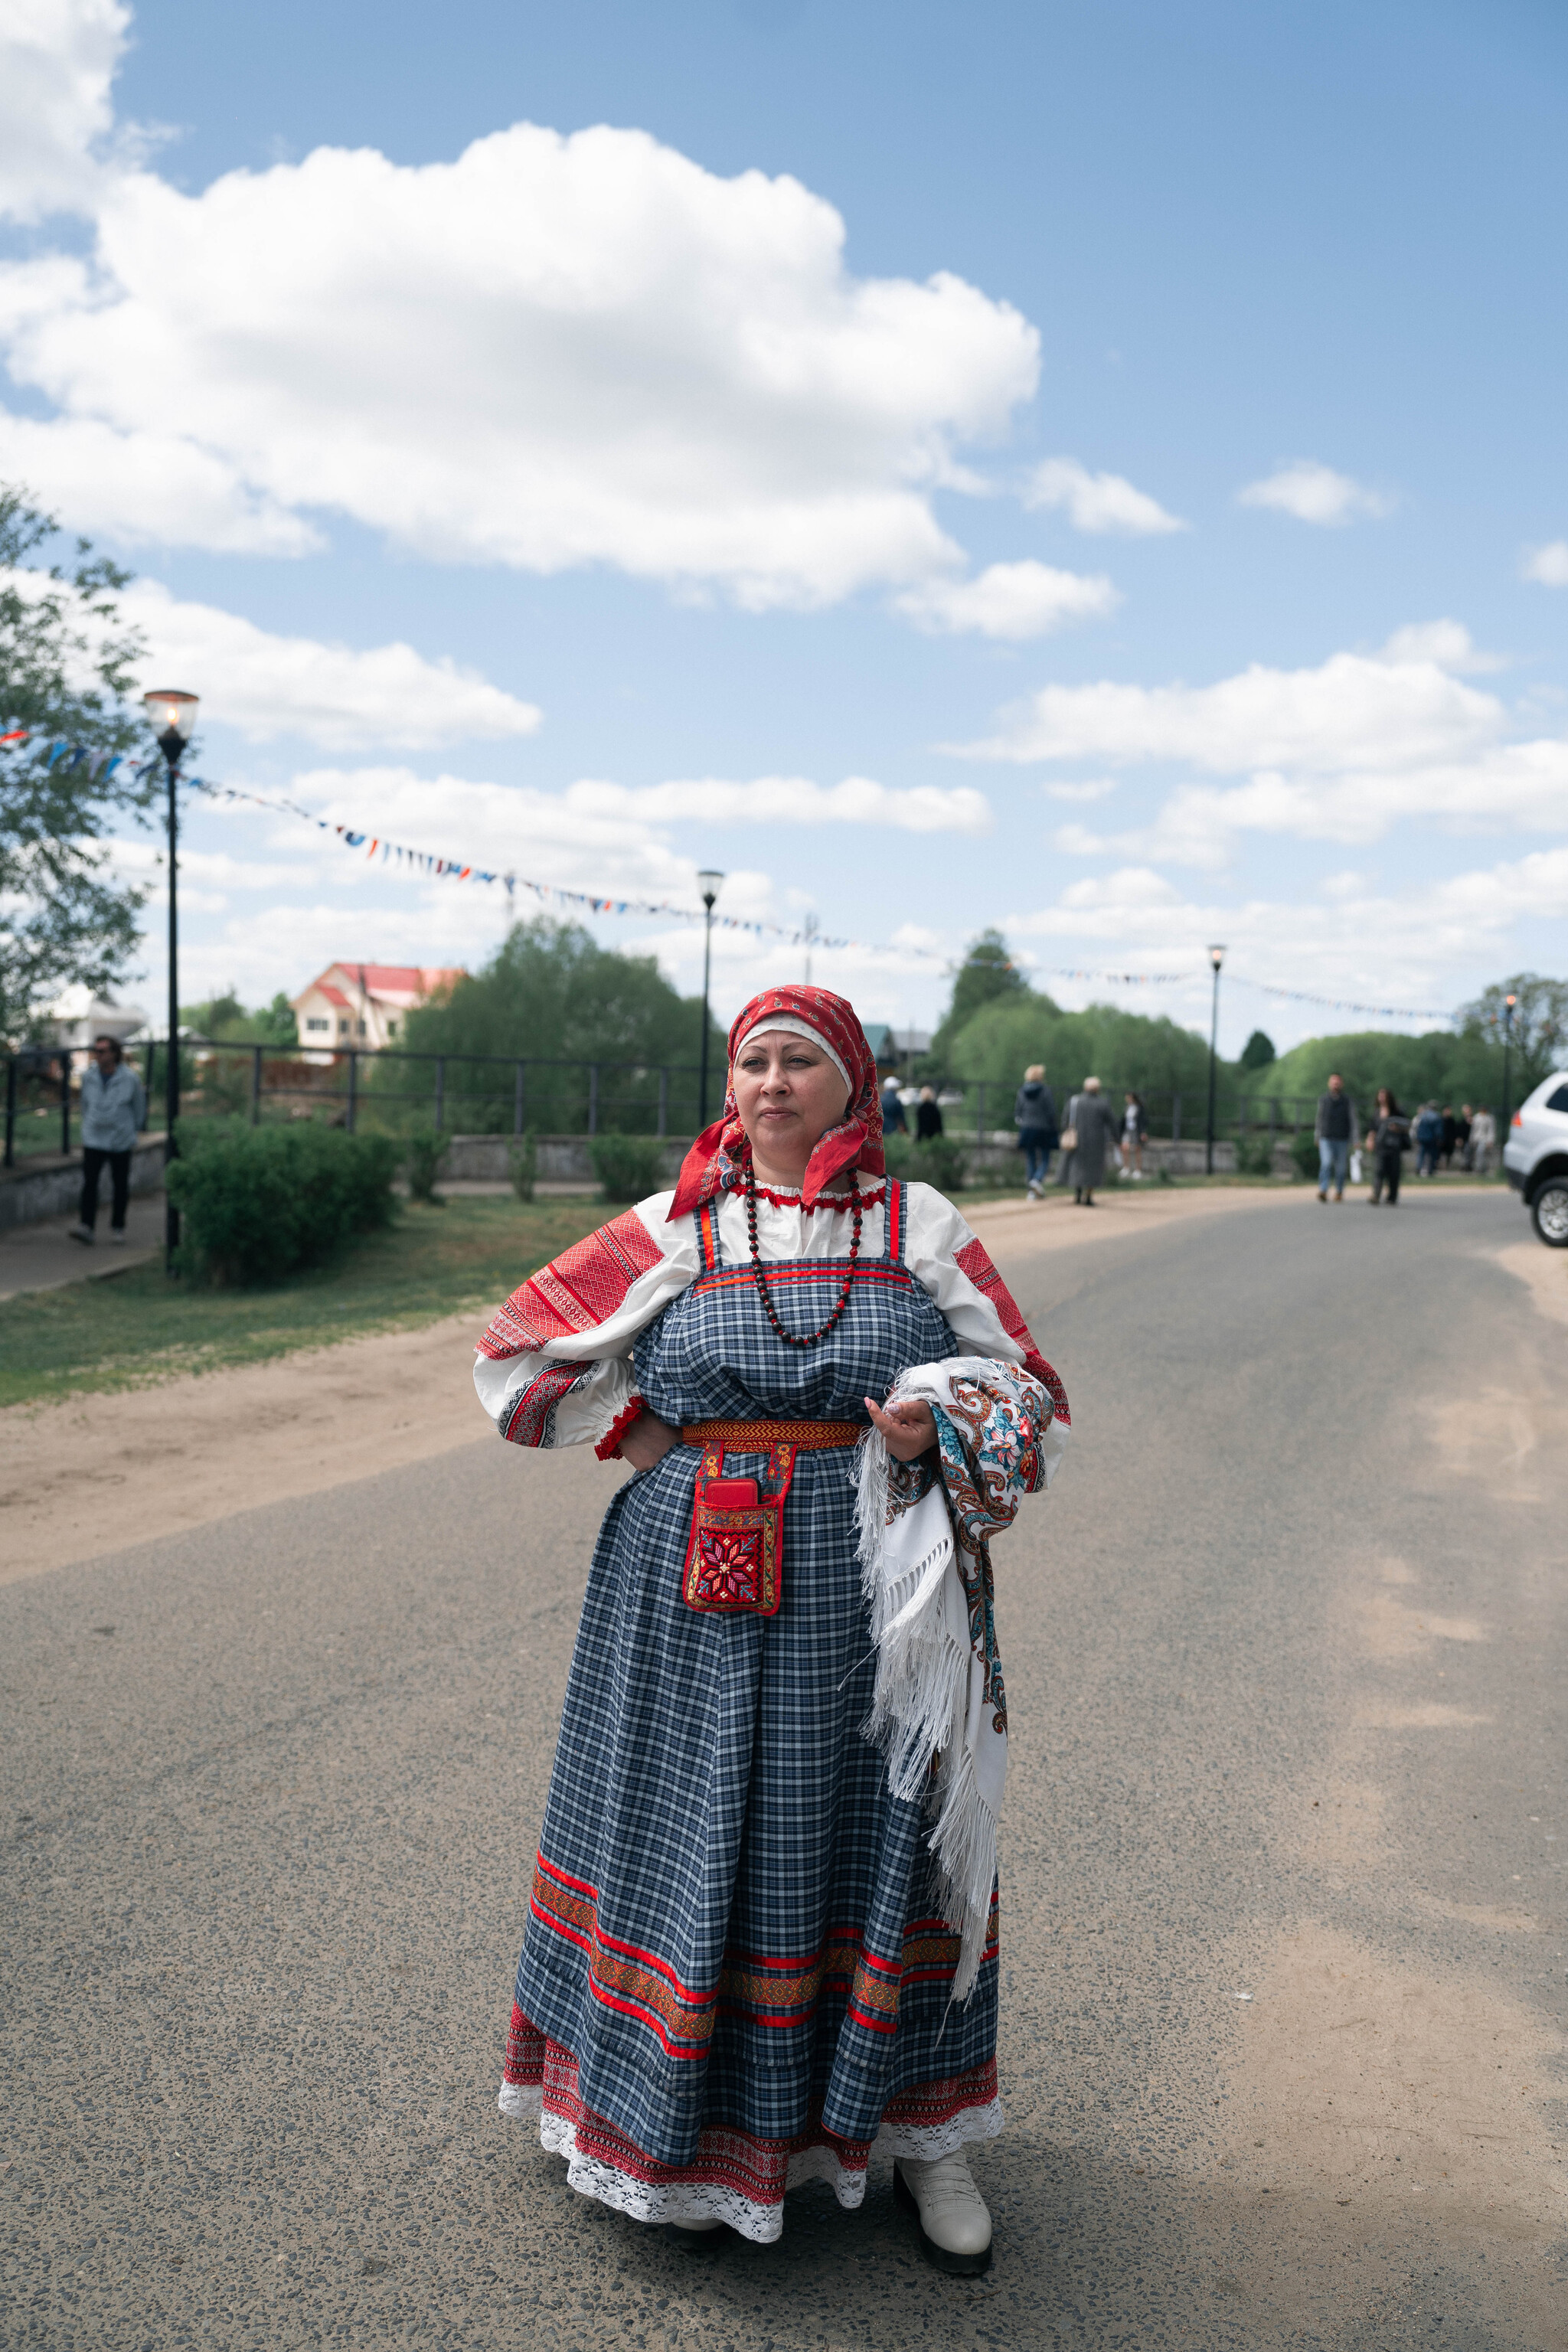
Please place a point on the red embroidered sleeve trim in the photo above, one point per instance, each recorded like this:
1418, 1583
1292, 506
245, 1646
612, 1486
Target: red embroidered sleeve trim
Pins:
584, 1287
975, 1260
608, 1449
528, 1421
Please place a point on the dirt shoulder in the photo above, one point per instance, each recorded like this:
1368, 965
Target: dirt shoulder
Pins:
101, 1471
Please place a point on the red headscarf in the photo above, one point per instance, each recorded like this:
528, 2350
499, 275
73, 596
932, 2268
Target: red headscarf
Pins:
717, 1158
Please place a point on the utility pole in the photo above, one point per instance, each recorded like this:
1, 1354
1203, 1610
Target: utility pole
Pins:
1216, 957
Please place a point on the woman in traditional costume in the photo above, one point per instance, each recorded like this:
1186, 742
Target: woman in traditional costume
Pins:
763, 1930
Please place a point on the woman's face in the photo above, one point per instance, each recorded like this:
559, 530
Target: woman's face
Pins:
788, 1094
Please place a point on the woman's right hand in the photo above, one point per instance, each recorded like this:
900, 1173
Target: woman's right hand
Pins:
648, 1441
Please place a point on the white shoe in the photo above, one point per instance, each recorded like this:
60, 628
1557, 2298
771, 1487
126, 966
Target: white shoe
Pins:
954, 2220
80, 1232
117, 1235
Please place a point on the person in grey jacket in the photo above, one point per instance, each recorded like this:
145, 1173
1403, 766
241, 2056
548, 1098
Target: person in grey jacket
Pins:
1093, 1123
113, 1109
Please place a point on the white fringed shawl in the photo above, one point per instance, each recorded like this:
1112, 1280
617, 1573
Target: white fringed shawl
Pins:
926, 1570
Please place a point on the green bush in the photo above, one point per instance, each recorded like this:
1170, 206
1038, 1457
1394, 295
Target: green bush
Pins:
522, 1167
941, 1161
257, 1204
1304, 1154
1254, 1156
628, 1167
422, 1161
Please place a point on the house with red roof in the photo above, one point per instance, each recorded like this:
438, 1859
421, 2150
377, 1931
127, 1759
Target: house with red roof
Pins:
366, 1004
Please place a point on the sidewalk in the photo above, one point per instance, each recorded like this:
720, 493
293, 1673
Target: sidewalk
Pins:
44, 1258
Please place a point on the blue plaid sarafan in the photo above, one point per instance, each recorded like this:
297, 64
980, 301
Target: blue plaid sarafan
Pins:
733, 1956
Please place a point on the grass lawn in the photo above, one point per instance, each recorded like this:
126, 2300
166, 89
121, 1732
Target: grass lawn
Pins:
138, 1327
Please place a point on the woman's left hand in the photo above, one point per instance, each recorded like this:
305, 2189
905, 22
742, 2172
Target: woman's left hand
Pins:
909, 1428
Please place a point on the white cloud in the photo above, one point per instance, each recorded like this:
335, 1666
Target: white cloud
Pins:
57, 60
1093, 788
333, 695
146, 486
1448, 643
790, 800
1399, 948
1009, 600
1098, 502
1549, 564
1314, 493
1336, 753
1355, 709
551, 352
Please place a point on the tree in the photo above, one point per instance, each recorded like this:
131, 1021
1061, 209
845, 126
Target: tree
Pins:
986, 975
226, 1021
1257, 1052
66, 665
551, 993
1157, 1056
1537, 1033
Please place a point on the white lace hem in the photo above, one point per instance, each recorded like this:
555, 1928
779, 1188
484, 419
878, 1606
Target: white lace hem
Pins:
690, 2200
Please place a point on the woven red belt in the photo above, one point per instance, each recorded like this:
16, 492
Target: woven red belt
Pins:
762, 1436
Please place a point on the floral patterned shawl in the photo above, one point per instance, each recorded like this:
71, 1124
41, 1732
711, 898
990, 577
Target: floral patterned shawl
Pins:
925, 1535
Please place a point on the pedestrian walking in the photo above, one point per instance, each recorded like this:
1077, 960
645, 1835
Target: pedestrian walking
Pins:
1387, 1140
113, 1112
928, 1115
758, 1940
894, 1119
1483, 1141
1428, 1138
1134, 1126
1333, 1131
1450, 1135
1086, 1142
1035, 1117
1462, 1134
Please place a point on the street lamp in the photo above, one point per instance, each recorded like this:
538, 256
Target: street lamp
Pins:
174, 715
709, 883
1507, 1004
1216, 957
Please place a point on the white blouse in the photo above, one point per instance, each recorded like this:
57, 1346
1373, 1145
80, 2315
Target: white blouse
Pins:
935, 1234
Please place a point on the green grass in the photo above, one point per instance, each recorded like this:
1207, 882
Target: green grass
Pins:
138, 1327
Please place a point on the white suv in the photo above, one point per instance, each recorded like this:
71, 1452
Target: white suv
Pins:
1536, 1157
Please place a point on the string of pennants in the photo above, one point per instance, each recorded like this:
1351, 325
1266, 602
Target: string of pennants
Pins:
1350, 1003
78, 756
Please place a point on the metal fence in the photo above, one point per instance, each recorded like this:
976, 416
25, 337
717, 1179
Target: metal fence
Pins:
391, 1091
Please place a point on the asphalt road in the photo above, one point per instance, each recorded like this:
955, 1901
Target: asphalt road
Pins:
1283, 1914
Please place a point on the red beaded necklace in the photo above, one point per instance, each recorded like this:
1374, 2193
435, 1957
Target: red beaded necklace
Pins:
823, 1201
794, 1339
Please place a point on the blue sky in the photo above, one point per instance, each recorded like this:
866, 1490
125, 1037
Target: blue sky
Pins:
1147, 525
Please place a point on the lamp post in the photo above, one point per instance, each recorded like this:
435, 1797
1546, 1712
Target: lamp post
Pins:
709, 883
1507, 1004
174, 715
1216, 957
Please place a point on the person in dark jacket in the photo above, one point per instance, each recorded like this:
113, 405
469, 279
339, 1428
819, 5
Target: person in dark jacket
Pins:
1387, 1141
928, 1115
1451, 1134
1334, 1130
1428, 1138
1035, 1117
894, 1119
